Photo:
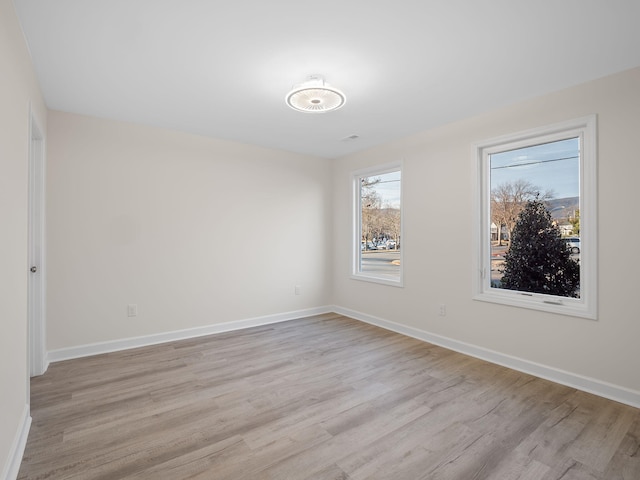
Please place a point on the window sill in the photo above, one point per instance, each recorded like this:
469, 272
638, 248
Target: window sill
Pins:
391, 281
546, 303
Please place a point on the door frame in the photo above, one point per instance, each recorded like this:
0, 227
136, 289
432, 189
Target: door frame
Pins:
37, 355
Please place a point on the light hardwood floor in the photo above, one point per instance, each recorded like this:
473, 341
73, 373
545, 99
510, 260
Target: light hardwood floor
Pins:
319, 398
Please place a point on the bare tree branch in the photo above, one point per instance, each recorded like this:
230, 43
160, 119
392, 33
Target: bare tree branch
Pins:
507, 201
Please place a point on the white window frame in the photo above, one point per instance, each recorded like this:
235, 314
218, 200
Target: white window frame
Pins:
356, 269
586, 306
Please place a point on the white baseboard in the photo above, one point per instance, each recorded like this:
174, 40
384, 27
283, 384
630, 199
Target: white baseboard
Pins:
591, 385
156, 338
586, 384
12, 467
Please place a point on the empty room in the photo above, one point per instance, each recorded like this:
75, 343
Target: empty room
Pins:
292, 241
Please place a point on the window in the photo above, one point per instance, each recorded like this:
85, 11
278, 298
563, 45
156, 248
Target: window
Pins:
535, 227
378, 225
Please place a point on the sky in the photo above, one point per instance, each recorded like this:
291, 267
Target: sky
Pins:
551, 166
389, 188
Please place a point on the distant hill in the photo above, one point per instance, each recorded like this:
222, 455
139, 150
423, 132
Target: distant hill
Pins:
562, 208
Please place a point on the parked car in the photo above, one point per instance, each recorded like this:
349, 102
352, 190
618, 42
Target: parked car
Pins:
573, 244
391, 244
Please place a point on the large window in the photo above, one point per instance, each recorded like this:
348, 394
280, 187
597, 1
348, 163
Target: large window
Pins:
378, 225
536, 222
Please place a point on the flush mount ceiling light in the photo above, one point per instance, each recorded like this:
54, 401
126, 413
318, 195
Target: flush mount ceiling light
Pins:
315, 96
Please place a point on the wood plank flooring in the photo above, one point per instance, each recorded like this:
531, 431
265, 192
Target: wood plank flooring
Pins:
321, 398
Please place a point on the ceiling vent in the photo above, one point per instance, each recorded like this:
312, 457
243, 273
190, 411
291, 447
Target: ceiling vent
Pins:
351, 138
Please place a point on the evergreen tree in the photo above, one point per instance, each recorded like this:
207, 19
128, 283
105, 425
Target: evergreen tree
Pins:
538, 259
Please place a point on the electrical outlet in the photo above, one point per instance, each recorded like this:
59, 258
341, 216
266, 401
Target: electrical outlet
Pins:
297, 290
132, 310
443, 310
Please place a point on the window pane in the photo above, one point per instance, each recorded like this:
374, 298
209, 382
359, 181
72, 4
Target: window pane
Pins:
380, 242
535, 218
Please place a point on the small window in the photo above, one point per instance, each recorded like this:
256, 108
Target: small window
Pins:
536, 223
378, 225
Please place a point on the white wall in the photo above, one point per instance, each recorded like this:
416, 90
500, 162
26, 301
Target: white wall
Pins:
438, 208
18, 88
195, 231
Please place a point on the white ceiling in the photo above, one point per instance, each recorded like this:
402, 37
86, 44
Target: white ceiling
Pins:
222, 69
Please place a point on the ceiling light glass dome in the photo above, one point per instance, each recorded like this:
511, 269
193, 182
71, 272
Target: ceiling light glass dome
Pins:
315, 96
